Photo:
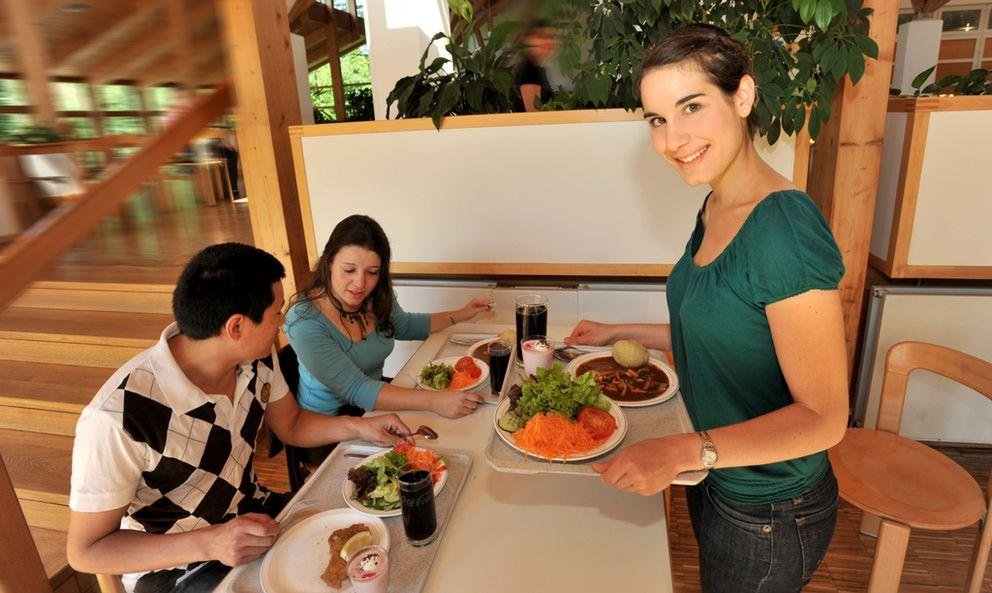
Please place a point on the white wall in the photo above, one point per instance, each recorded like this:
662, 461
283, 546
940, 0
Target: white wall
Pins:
398, 32
302, 77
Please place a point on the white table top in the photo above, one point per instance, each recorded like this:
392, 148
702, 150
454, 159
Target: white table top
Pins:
512, 532
546, 532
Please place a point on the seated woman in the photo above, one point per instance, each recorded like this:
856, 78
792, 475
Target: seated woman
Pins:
344, 323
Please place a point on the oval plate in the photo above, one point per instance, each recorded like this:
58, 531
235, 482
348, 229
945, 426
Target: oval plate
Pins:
605, 447
673, 381
450, 361
348, 489
299, 556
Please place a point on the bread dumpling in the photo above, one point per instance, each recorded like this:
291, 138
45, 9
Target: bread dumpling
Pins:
630, 354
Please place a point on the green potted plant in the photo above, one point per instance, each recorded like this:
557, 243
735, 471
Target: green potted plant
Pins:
801, 50
479, 79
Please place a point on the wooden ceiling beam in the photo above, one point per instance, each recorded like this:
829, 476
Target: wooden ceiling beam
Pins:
102, 39
182, 42
24, 26
116, 18
137, 53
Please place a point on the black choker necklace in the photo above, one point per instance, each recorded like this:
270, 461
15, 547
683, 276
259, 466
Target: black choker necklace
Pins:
356, 317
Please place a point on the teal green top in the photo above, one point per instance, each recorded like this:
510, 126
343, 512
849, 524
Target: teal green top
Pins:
726, 363
334, 370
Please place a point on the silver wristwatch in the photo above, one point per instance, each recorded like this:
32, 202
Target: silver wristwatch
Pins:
708, 456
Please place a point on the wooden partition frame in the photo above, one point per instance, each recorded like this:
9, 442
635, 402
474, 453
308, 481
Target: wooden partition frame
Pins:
918, 110
489, 269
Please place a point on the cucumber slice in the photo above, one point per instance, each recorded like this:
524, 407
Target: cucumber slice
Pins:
510, 422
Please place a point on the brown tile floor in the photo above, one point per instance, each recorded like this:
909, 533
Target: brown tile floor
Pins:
937, 562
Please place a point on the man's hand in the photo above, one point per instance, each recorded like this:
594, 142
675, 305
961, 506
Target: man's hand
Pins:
382, 430
242, 539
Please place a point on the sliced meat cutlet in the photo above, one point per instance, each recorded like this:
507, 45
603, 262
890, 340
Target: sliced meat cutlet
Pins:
337, 569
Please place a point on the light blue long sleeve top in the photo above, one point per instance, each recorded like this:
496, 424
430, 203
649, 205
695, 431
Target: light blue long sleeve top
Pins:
334, 370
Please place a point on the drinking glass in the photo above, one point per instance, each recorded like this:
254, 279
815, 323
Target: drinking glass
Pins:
499, 360
369, 570
539, 353
532, 318
417, 503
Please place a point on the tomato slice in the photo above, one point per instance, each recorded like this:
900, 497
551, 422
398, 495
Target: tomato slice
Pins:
464, 362
474, 371
598, 423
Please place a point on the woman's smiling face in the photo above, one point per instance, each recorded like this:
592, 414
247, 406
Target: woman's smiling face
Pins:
697, 128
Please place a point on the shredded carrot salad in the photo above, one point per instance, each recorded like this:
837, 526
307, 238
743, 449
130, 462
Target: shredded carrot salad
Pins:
550, 436
421, 456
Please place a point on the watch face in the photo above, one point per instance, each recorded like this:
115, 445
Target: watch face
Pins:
709, 458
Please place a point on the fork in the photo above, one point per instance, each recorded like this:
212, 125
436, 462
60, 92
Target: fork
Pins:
425, 431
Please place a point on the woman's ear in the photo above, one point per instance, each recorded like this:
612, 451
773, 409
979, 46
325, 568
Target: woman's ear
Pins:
745, 95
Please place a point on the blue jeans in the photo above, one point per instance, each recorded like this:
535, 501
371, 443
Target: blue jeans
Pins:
761, 548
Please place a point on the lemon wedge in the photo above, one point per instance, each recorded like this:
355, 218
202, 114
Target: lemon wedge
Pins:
362, 539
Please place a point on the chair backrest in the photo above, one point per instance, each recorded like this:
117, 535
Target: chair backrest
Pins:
905, 357
289, 364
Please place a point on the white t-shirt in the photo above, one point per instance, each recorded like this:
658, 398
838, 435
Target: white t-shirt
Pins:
177, 458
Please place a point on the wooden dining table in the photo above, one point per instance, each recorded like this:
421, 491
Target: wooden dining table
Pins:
543, 532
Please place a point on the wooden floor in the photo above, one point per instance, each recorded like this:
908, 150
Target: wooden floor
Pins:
937, 562
145, 247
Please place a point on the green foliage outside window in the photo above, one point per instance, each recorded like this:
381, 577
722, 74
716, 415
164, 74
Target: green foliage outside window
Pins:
357, 77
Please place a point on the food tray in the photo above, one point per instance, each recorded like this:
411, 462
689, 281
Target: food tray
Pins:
408, 565
669, 417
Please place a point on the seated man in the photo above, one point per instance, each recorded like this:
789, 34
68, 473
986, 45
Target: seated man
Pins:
162, 476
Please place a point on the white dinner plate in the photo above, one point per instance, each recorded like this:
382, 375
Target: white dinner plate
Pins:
300, 555
673, 380
605, 447
450, 361
348, 490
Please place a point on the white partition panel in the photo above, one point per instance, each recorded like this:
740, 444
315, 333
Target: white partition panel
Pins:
590, 192
954, 212
936, 409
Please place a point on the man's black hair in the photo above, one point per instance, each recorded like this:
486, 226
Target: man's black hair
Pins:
224, 280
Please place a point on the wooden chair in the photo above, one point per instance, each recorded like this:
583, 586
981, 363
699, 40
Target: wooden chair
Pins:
110, 583
905, 483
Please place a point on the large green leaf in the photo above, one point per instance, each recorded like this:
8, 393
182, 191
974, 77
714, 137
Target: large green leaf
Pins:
922, 77
462, 8
823, 14
855, 65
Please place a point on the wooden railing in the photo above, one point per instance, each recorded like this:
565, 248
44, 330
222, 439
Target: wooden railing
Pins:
23, 570
61, 228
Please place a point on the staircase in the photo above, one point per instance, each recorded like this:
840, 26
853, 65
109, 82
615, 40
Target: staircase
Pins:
59, 342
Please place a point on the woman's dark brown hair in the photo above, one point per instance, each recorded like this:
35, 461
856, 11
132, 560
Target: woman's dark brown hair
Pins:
364, 232
719, 56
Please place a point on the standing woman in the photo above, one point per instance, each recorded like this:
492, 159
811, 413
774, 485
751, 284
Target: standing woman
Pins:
756, 331
344, 323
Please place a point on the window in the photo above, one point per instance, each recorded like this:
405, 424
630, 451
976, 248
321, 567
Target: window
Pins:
904, 17
966, 42
118, 97
82, 127
123, 125
961, 20
12, 92
71, 96
159, 98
